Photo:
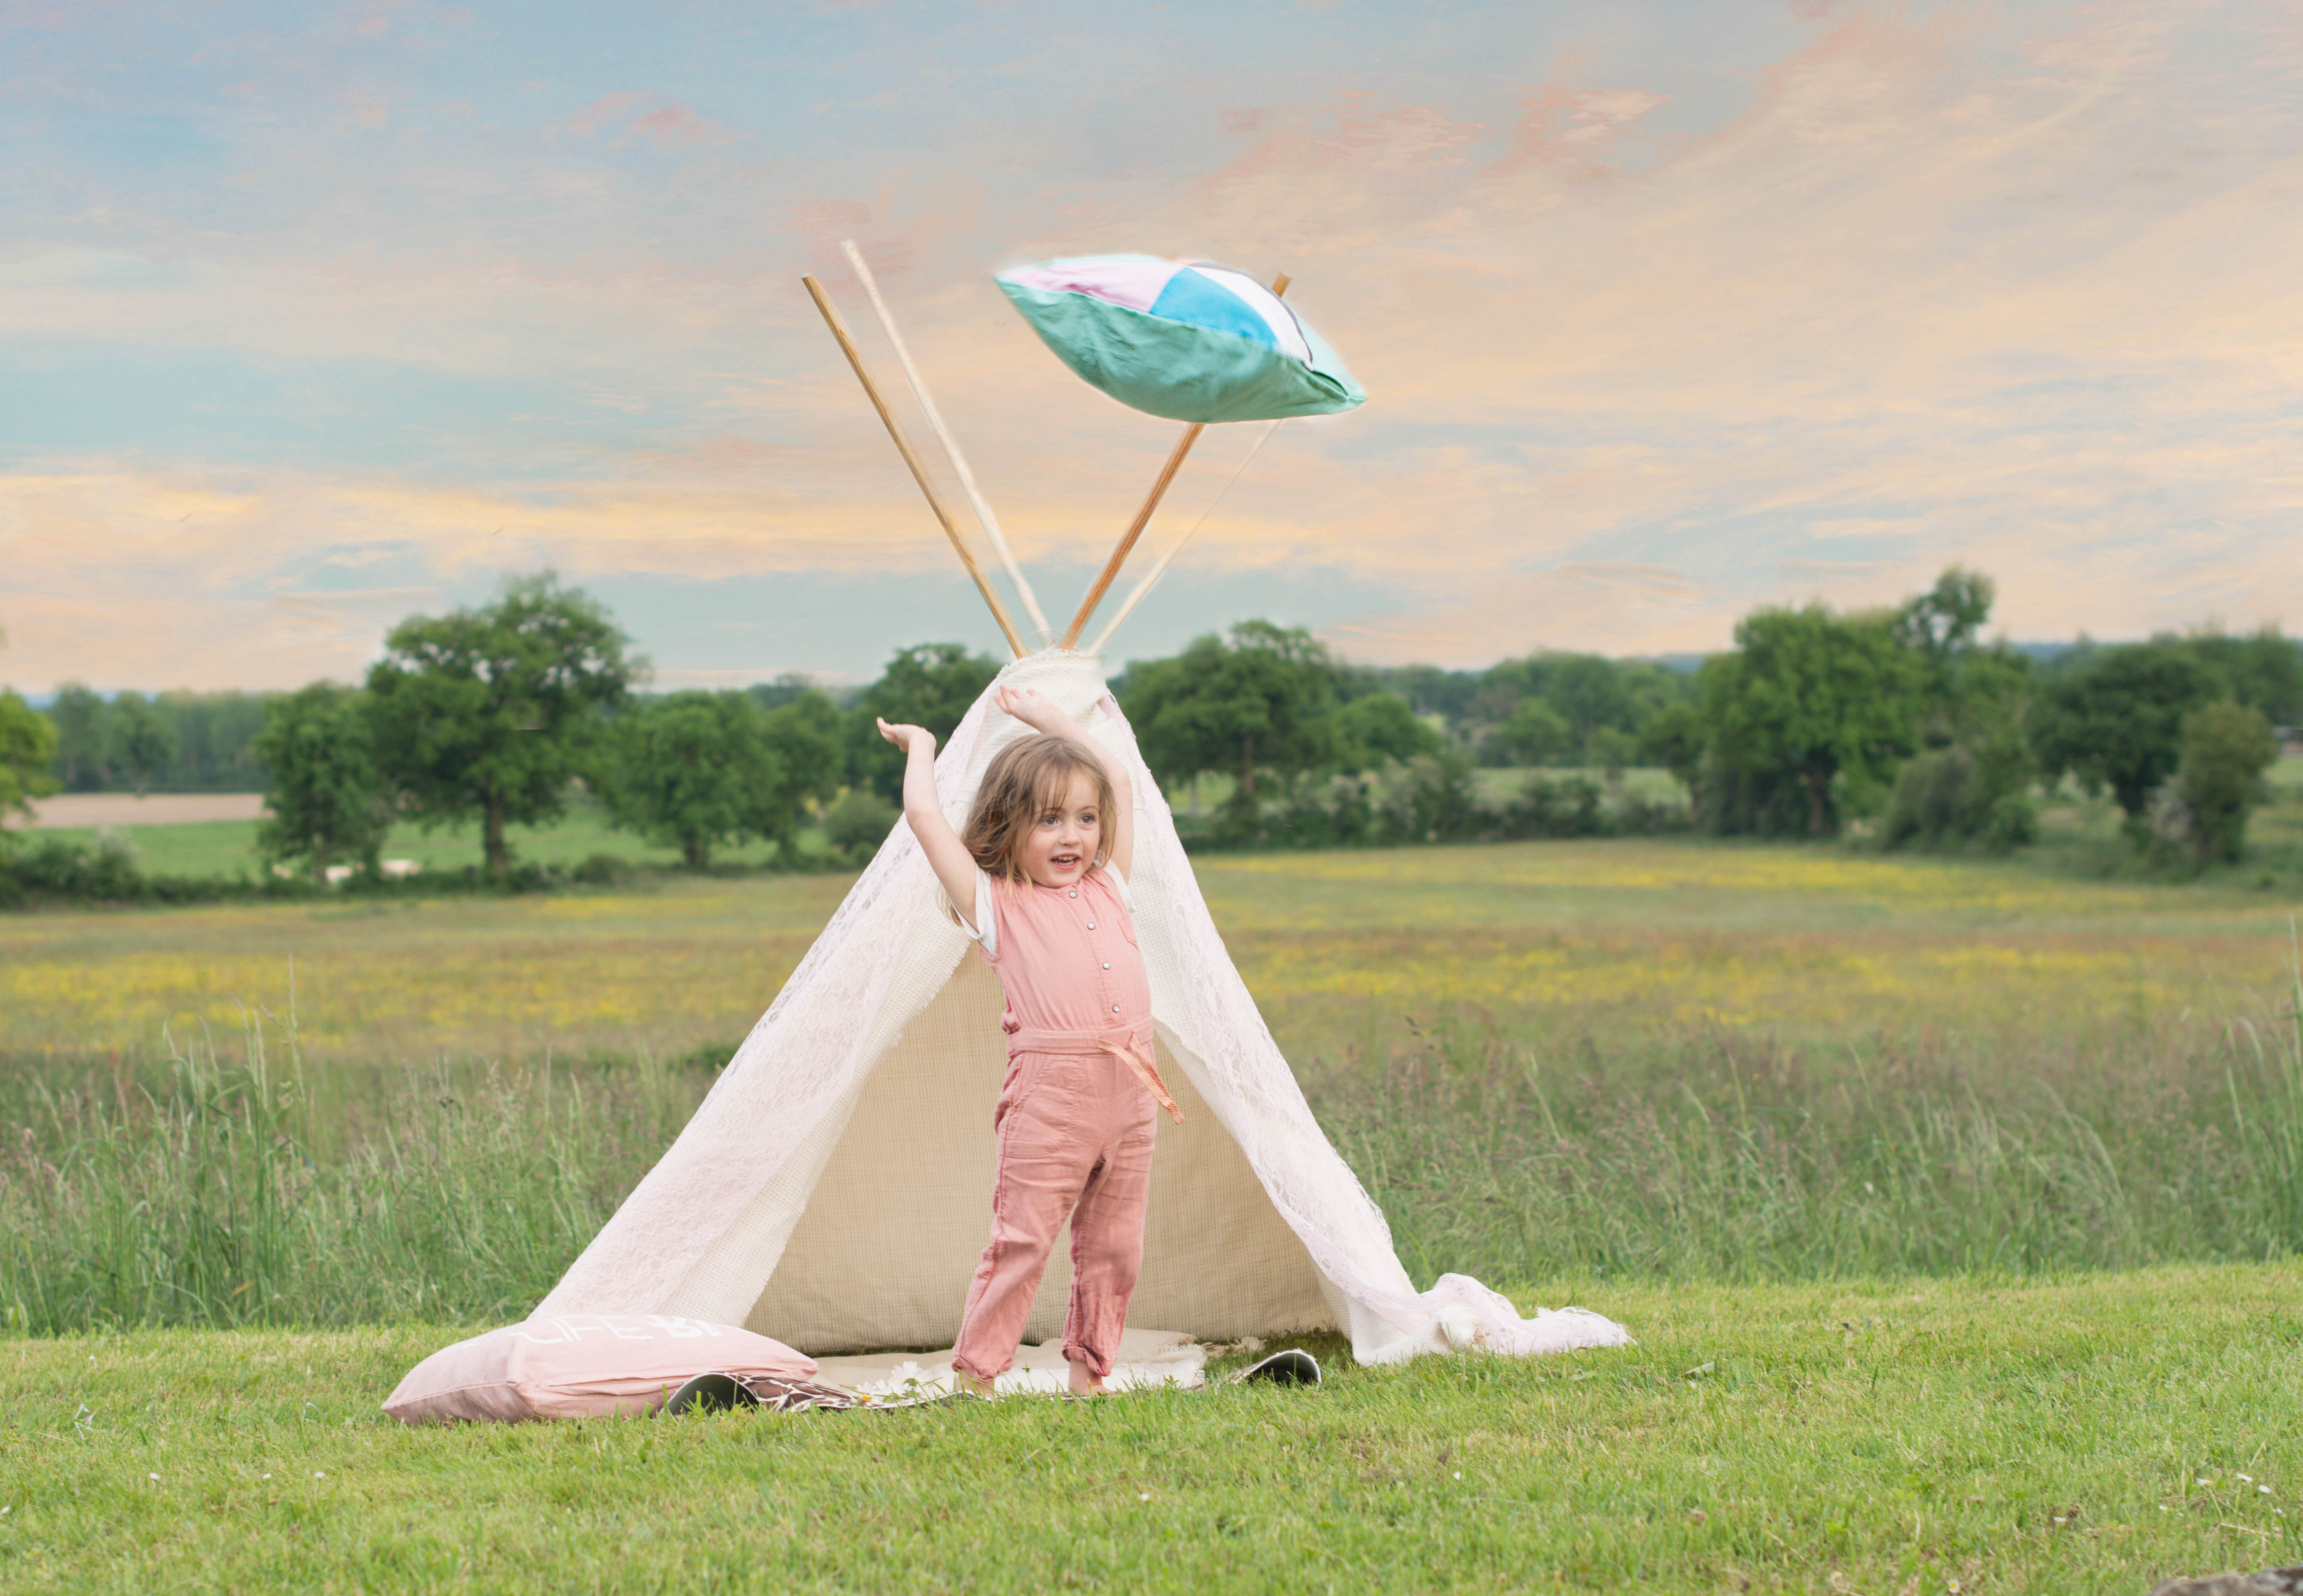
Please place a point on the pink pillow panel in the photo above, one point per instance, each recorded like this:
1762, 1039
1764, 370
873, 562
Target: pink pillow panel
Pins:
582, 1366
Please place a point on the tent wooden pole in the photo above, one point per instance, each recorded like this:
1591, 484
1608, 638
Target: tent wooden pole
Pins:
919, 474
1110, 572
1160, 566
983, 516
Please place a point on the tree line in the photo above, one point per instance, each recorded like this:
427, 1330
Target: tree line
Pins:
167, 742
1910, 717
1906, 718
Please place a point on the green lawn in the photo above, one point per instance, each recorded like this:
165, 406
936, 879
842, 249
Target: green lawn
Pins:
2084, 1436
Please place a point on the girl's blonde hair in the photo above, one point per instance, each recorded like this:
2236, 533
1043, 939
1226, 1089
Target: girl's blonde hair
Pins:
1025, 780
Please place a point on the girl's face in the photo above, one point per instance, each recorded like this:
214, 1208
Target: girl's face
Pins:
1062, 842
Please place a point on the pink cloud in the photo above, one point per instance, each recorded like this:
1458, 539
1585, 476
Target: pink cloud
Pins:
588, 121
825, 223
1561, 130
828, 218
667, 127
675, 126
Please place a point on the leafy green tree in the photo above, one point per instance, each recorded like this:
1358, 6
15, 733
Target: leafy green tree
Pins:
141, 741
803, 735
691, 771
212, 734
786, 689
83, 723
1430, 690
1944, 622
2261, 671
489, 712
328, 801
1535, 733
1504, 684
2226, 748
858, 823
1945, 795
1588, 693
1677, 739
1260, 703
1368, 730
930, 684
1611, 749
698, 770
1808, 698
28, 747
2116, 720
1972, 781
1652, 688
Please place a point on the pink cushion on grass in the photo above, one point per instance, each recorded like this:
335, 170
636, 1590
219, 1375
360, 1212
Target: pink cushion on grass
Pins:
581, 1366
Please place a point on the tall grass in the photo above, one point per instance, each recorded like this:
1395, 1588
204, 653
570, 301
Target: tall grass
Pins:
1745, 1161
205, 1196
197, 1199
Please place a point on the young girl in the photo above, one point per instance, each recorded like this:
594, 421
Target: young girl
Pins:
1040, 879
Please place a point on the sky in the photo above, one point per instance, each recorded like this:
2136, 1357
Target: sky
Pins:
315, 317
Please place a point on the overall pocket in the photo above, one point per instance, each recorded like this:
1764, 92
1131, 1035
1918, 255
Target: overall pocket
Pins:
1025, 1073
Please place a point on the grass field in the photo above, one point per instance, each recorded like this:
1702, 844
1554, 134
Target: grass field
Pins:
1930, 1187
2086, 1435
1556, 943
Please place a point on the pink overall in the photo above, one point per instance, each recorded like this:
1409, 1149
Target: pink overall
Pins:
1075, 1117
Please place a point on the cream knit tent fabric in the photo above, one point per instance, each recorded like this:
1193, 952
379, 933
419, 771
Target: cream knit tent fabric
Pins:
833, 1191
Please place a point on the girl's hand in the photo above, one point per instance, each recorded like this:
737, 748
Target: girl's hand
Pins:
904, 736
1034, 708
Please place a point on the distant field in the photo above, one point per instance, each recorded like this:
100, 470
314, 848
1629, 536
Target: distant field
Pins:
81, 810
227, 847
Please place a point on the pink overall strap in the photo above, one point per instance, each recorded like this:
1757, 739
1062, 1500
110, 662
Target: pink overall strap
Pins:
1122, 1045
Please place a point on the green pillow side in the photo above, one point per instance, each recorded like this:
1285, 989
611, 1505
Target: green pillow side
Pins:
1182, 372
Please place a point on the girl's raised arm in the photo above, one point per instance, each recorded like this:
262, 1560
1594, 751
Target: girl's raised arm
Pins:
1039, 711
954, 865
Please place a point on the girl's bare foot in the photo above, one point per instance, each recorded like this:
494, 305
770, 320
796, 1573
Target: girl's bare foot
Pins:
976, 1385
1086, 1382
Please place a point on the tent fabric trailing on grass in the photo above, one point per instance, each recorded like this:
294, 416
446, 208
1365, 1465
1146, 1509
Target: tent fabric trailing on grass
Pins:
834, 1189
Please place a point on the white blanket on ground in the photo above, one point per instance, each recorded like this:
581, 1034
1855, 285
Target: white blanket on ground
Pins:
1148, 1359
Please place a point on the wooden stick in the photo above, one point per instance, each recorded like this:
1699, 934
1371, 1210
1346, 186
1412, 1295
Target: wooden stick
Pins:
1160, 566
1110, 572
983, 516
919, 474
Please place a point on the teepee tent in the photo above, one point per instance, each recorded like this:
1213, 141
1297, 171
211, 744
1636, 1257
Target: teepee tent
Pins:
834, 1189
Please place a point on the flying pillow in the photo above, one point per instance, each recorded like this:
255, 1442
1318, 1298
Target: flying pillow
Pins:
583, 1366
1187, 340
